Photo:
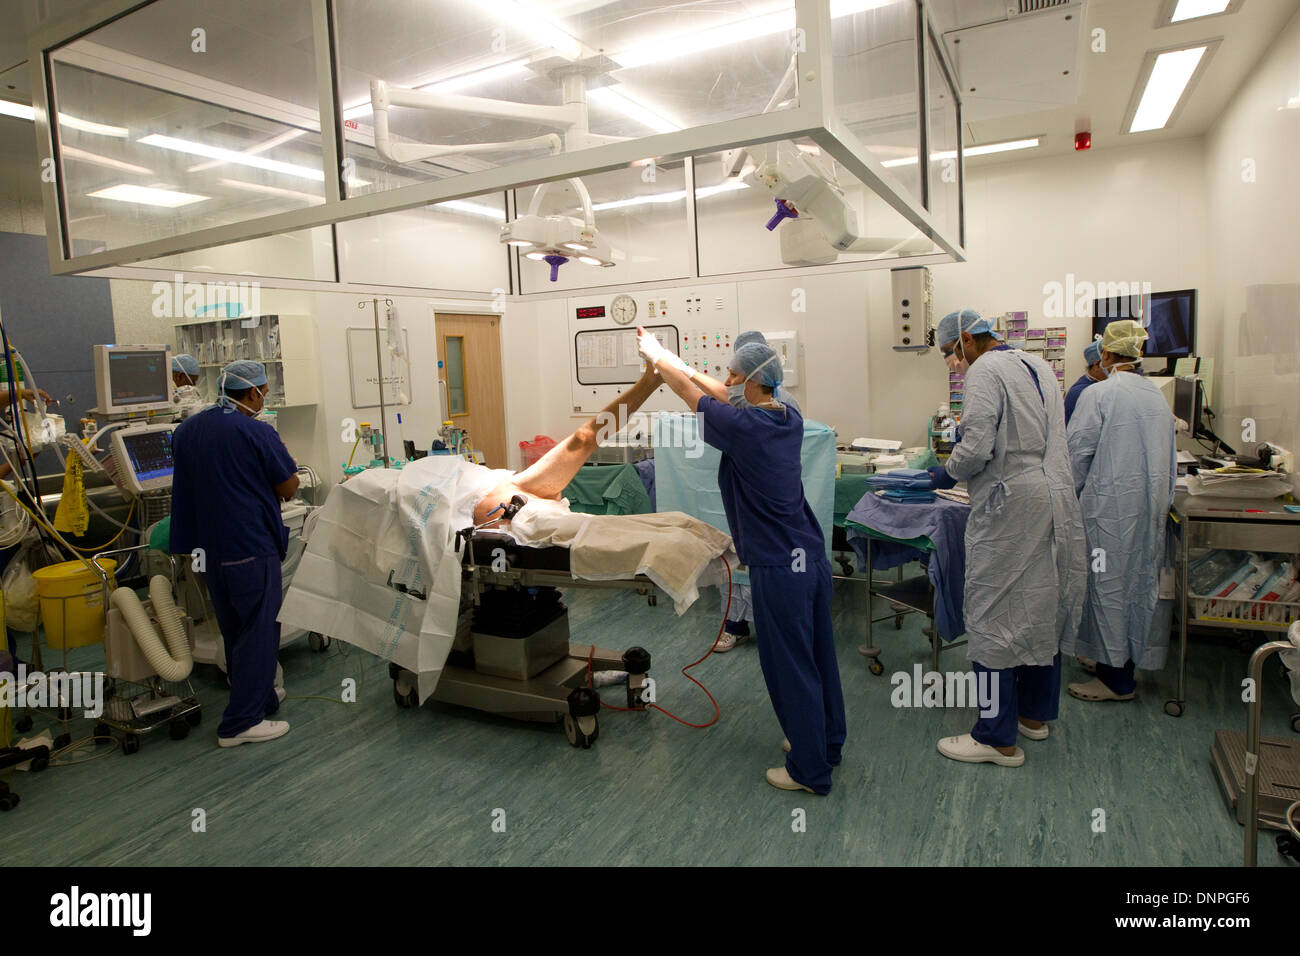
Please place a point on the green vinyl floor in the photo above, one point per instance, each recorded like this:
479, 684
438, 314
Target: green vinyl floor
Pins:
368, 783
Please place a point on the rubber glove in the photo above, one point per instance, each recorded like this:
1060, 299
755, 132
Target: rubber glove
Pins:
649, 346
941, 479
655, 354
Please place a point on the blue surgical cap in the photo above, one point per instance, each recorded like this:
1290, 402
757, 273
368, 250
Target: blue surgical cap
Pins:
757, 362
187, 364
242, 374
1092, 354
744, 338
963, 320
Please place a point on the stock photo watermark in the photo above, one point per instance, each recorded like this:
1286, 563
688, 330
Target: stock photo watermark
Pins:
182, 299
82, 690
932, 689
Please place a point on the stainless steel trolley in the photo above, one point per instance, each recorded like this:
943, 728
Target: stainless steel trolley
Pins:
137, 707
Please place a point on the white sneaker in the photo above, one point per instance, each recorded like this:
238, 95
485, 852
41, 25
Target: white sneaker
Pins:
1087, 663
1095, 690
785, 744
280, 694
1034, 733
726, 642
780, 778
969, 750
258, 733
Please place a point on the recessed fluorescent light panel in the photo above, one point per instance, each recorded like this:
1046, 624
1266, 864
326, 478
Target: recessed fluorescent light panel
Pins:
1169, 76
968, 151
147, 196
1174, 12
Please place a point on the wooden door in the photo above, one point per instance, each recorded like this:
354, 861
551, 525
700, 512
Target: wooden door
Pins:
469, 370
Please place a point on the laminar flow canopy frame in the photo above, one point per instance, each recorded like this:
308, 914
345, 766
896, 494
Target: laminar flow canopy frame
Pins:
334, 192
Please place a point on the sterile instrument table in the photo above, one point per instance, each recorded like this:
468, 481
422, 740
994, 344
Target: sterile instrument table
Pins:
915, 594
1240, 524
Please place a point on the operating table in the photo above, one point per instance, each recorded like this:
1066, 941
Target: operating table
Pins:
512, 654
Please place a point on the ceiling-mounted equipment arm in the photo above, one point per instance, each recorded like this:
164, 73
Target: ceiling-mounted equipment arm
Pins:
733, 160
383, 96
588, 214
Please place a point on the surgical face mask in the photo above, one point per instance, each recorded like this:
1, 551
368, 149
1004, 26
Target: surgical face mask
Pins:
957, 363
736, 393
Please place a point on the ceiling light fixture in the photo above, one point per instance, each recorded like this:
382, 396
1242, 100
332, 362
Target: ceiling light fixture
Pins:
968, 151
71, 152
231, 156
147, 196
1168, 80
778, 20
1195, 9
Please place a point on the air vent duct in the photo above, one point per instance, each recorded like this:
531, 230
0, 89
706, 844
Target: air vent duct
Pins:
1034, 6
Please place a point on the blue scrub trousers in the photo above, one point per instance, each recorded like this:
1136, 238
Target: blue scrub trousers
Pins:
796, 650
1119, 679
1025, 691
246, 597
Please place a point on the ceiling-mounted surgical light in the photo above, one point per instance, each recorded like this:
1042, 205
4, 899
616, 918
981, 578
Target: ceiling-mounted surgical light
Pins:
555, 238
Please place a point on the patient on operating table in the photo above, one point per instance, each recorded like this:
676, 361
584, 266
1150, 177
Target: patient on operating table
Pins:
551, 474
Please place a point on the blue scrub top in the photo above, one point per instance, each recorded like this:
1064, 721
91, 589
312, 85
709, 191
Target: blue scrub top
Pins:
761, 480
1072, 396
223, 486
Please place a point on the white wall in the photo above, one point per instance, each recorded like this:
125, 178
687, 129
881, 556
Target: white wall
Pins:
1134, 214
1252, 230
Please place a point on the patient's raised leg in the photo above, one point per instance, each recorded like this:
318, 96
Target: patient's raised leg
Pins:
551, 474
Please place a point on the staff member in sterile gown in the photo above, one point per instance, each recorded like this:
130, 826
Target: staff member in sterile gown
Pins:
231, 472
1125, 465
740, 608
778, 538
1025, 562
1091, 376
185, 381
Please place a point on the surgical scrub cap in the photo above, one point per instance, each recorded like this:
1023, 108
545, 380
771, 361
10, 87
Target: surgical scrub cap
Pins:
1092, 354
758, 362
243, 374
187, 364
963, 320
1124, 337
744, 338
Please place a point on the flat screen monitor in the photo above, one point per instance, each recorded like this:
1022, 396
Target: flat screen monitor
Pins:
144, 457
1168, 317
133, 378
1187, 402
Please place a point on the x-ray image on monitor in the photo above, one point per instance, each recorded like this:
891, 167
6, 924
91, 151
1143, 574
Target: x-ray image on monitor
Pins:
1170, 323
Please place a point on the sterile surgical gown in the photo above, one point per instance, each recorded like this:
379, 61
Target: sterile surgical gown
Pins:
1025, 562
1125, 464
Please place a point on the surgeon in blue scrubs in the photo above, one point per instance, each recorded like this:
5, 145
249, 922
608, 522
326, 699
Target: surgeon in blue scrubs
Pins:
231, 474
1091, 375
739, 605
778, 538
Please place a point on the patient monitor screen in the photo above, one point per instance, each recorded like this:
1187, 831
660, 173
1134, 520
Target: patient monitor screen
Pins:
138, 378
150, 454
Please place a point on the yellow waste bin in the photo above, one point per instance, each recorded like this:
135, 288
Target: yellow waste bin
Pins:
72, 603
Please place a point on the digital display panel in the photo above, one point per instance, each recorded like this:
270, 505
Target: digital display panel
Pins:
591, 312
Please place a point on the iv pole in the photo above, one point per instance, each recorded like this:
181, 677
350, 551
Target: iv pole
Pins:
379, 364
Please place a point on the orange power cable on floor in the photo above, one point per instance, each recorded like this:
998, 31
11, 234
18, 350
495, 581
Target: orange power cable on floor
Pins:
717, 712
